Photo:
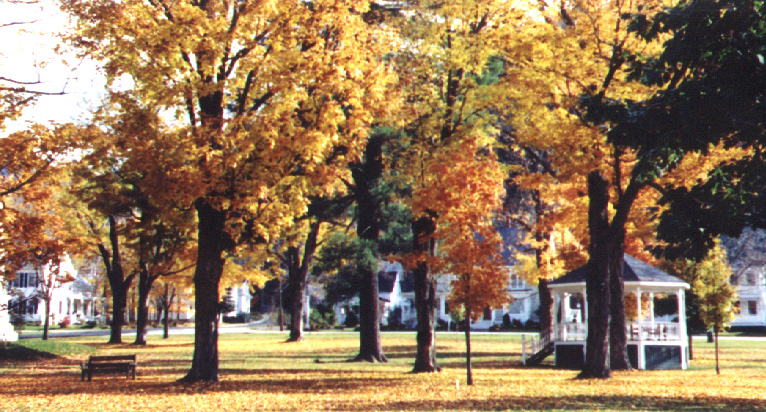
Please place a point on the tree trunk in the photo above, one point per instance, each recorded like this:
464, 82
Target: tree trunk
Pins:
117, 281
618, 340
546, 306
144, 287
281, 308
296, 291
717, 369
425, 305
370, 344
213, 241
366, 176
167, 303
468, 369
691, 348
47, 322
597, 280
119, 303
298, 273
425, 296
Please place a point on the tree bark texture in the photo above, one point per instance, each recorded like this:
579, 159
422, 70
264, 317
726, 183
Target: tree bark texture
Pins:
366, 176
213, 241
618, 340
47, 324
423, 229
144, 287
118, 283
597, 280
546, 306
468, 366
298, 272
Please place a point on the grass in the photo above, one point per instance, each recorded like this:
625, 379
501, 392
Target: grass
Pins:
261, 372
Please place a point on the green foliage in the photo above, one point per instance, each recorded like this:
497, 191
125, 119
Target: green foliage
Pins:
322, 317
716, 297
226, 304
338, 270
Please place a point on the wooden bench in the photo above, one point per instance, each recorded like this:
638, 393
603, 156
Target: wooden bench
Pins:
109, 364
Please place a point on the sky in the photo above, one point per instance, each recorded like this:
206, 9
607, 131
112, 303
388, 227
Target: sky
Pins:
27, 53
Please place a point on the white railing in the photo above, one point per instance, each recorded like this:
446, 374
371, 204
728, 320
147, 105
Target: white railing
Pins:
659, 331
570, 331
663, 331
531, 346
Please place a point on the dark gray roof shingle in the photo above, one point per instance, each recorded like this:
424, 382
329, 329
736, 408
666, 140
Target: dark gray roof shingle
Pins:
633, 270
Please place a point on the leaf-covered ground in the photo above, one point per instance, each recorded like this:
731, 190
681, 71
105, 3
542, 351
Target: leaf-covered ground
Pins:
261, 372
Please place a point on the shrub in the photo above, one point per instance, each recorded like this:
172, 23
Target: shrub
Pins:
65, 322
352, 319
17, 321
240, 318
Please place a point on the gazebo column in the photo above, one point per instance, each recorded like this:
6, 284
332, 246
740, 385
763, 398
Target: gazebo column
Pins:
651, 314
682, 336
640, 352
559, 331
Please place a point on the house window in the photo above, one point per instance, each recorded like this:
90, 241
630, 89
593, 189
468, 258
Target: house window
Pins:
516, 307
752, 307
516, 282
751, 280
25, 280
487, 313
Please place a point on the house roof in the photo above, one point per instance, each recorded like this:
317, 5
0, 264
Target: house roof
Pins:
386, 281
512, 244
633, 270
407, 282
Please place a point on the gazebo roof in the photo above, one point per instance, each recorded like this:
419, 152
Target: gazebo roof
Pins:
634, 272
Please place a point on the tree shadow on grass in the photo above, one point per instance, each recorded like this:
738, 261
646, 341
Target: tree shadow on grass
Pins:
584, 403
18, 353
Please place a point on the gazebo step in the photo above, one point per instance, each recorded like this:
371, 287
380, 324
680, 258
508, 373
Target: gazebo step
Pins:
543, 353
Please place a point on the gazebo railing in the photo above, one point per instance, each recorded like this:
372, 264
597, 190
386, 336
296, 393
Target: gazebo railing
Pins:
570, 331
658, 331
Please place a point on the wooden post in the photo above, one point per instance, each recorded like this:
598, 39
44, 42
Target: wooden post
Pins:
523, 349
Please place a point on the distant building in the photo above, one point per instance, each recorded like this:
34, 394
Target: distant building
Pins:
74, 299
751, 289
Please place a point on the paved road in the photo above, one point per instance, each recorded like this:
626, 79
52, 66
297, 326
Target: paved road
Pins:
67, 333
248, 328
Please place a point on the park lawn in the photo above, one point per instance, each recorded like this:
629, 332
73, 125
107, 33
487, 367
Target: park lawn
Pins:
261, 372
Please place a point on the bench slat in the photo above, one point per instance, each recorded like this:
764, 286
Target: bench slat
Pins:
116, 363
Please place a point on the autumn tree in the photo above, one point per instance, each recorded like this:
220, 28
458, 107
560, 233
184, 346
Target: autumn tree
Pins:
296, 249
265, 95
451, 118
480, 274
594, 118
716, 295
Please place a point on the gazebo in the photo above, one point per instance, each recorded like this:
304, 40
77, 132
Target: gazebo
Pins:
654, 342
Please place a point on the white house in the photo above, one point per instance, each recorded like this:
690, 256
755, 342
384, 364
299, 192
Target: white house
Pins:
241, 298
751, 289
74, 299
396, 294
7, 334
